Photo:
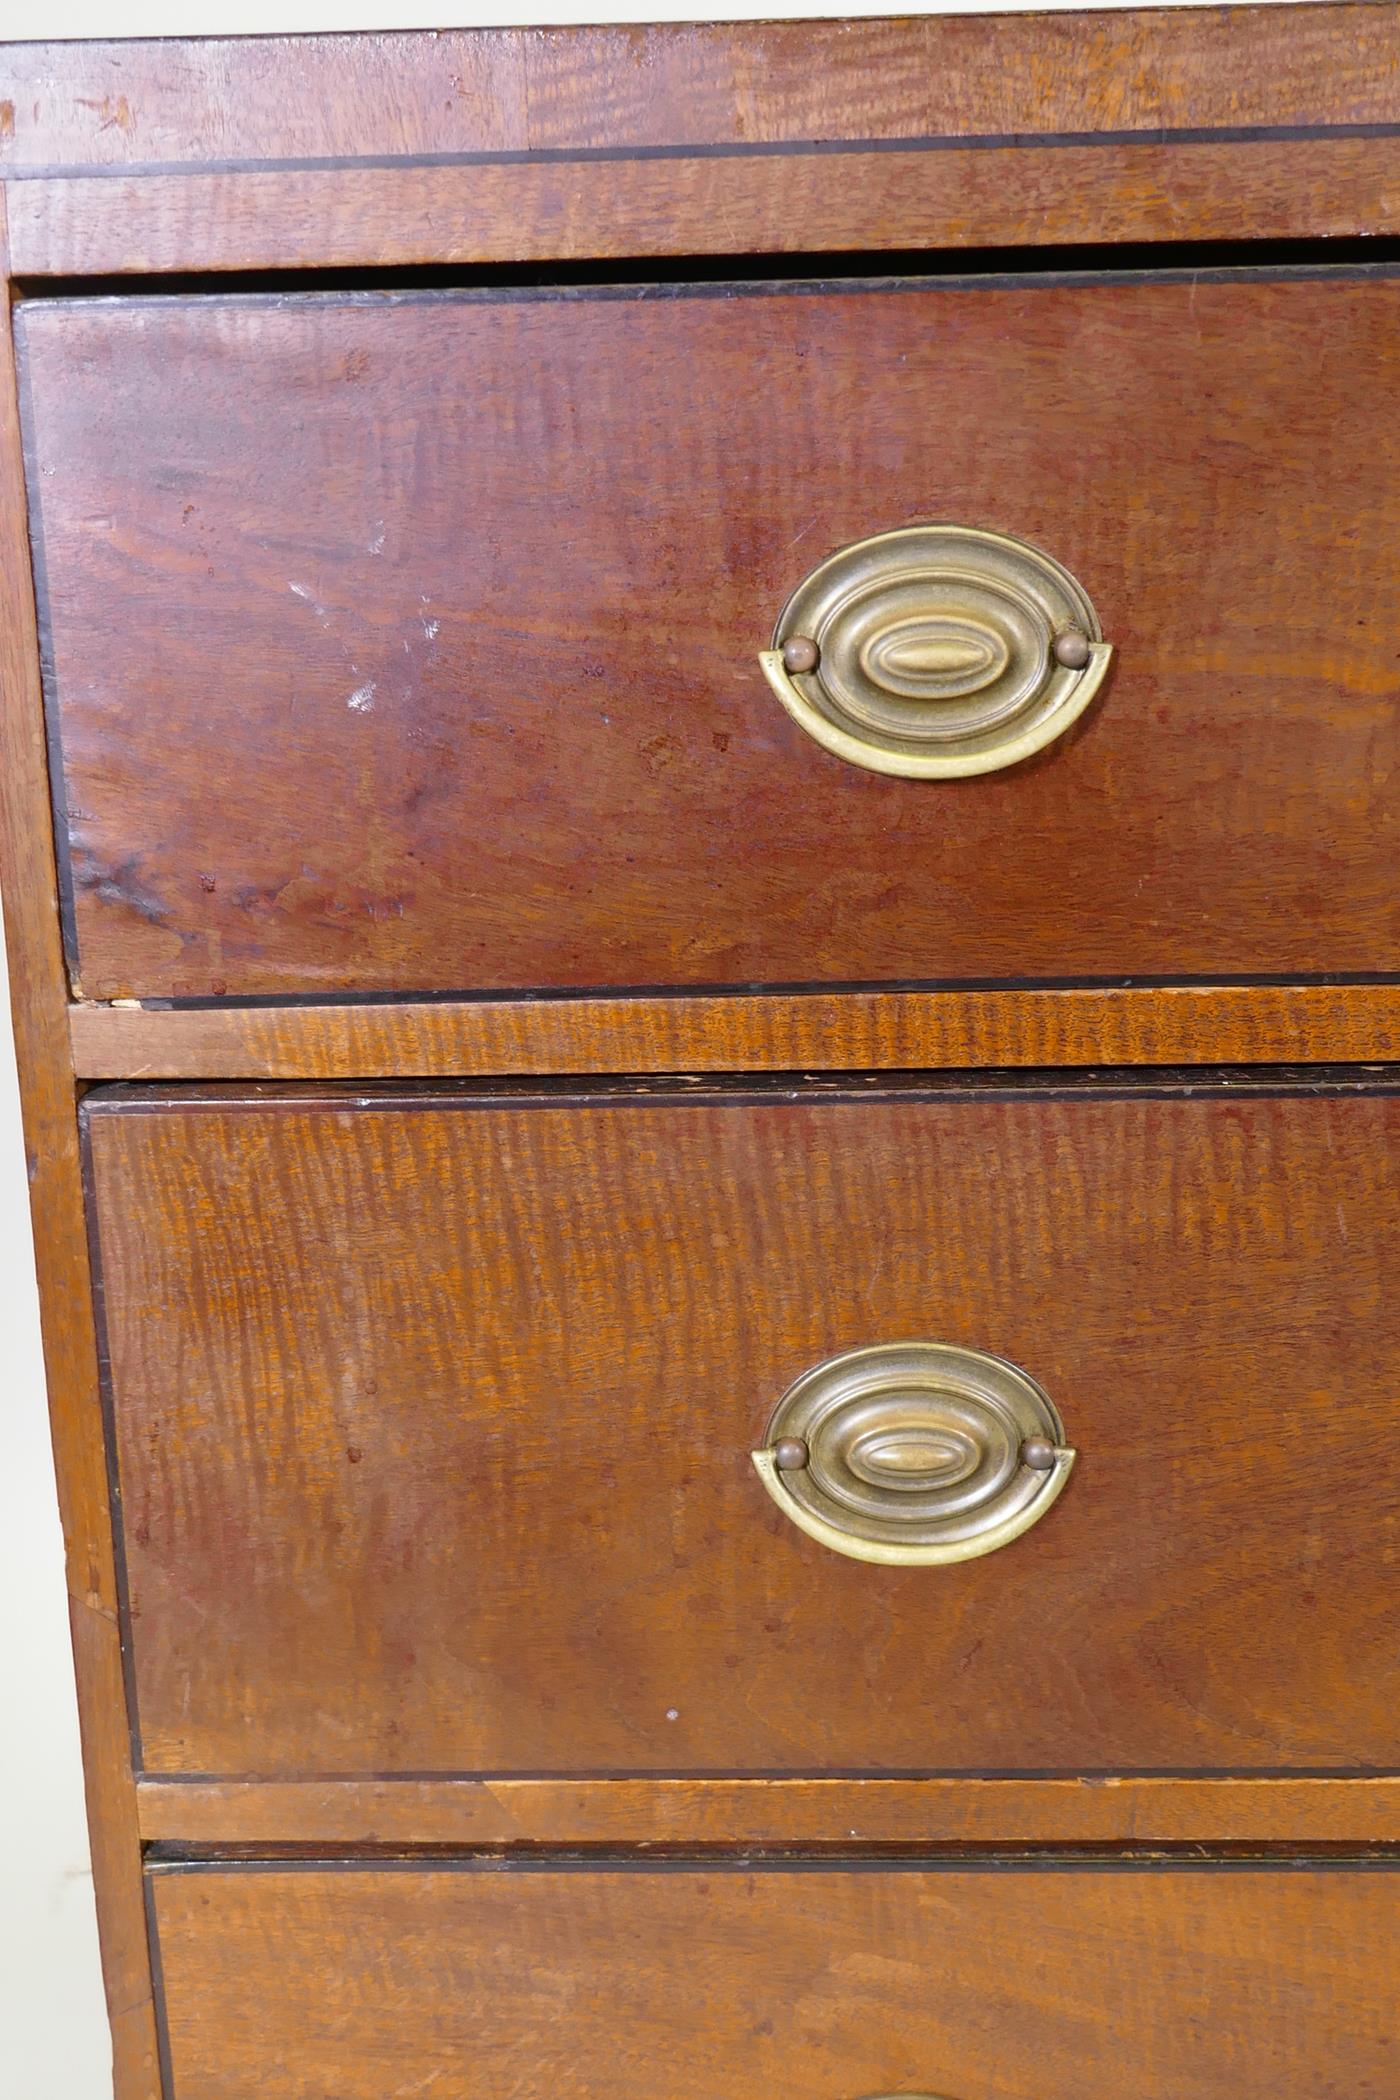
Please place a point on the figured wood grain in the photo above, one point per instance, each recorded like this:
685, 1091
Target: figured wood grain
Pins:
329, 723
434, 1424
402, 216
836, 1031
834, 1813
1066, 1984
38, 998
218, 99
958, 76
371, 1356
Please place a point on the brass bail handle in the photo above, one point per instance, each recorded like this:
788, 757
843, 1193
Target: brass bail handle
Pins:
912, 1454
937, 652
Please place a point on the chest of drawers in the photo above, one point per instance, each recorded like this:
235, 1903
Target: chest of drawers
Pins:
701, 765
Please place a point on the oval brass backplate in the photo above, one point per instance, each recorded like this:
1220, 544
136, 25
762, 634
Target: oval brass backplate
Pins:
940, 651
914, 1453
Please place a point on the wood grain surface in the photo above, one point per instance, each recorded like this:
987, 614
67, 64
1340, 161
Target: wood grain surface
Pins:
216, 99
402, 215
434, 1425
409, 644
1064, 1984
37, 1006
831, 1031
836, 1814
404, 643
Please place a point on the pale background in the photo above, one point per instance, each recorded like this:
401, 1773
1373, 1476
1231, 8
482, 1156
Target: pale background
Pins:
53, 2036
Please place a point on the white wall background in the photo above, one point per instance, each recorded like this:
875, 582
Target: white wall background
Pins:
53, 2042
53, 2037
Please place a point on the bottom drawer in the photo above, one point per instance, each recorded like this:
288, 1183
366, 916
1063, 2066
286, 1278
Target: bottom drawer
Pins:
1048, 1981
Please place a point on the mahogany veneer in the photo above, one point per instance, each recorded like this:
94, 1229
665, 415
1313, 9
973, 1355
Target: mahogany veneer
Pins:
406, 446
714, 1984
433, 1414
489, 573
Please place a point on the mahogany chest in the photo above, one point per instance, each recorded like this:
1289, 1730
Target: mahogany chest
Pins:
701, 805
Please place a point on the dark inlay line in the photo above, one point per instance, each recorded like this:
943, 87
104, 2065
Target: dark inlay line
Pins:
569, 994
1162, 136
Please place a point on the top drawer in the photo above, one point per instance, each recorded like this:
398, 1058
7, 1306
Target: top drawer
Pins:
408, 642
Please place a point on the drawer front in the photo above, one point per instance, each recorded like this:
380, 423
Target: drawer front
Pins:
707, 1983
434, 1419
410, 643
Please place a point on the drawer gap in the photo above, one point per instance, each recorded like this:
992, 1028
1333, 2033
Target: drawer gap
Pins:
817, 269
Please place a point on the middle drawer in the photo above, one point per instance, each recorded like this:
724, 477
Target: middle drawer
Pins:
433, 1417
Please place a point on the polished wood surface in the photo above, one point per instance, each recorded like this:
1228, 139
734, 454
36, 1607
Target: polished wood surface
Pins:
434, 1424
434, 1413
326, 725
1072, 1983
216, 99
835, 1814
795, 203
38, 1015
805, 1032
446, 148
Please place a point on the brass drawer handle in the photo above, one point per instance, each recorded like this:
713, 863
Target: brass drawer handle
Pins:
937, 651
914, 1453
